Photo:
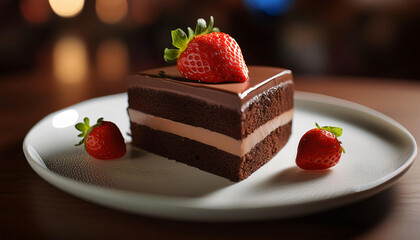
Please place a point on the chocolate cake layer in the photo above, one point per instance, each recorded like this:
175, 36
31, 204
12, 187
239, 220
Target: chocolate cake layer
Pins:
234, 121
209, 158
269, 104
208, 137
228, 95
186, 110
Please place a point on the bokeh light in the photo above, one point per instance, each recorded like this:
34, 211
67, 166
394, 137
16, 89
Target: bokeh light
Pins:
70, 60
269, 7
112, 60
111, 11
35, 11
67, 8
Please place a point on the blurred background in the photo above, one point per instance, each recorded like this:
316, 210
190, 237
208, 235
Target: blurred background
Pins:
73, 41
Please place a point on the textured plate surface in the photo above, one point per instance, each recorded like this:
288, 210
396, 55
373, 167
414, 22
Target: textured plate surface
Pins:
378, 151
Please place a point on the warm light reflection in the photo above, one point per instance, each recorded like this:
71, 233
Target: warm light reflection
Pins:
70, 60
35, 11
67, 8
112, 59
145, 11
65, 118
111, 11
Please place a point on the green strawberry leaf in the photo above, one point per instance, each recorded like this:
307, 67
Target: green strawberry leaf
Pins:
200, 27
336, 131
86, 121
211, 25
81, 127
179, 38
190, 33
81, 142
171, 54
342, 149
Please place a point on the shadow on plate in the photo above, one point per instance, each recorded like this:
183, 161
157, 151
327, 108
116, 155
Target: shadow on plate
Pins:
294, 174
138, 171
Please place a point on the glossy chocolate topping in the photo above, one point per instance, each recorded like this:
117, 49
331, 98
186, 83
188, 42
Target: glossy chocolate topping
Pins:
231, 95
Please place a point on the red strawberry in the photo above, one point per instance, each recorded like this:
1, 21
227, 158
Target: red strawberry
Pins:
207, 55
319, 148
103, 140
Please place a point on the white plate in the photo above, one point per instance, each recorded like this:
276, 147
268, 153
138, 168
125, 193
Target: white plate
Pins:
378, 151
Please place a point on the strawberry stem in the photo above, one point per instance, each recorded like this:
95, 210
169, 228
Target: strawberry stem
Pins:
85, 128
180, 39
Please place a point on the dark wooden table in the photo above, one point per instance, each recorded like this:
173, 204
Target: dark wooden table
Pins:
31, 208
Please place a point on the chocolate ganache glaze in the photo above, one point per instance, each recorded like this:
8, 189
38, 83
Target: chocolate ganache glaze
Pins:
228, 94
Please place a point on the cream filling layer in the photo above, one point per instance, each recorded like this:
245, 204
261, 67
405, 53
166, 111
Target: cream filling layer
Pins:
205, 136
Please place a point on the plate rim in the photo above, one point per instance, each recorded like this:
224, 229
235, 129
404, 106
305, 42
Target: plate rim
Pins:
172, 205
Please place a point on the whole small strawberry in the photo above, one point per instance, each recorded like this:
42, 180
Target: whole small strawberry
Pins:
103, 140
207, 55
319, 148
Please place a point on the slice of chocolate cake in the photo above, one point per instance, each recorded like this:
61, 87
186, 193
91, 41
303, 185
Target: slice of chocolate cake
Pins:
228, 129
